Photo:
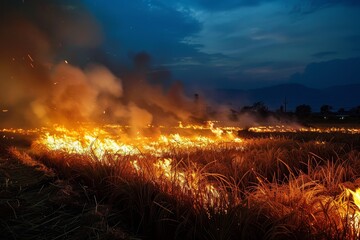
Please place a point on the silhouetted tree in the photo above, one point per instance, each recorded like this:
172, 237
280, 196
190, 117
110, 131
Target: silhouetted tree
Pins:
303, 110
258, 108
281, 109
246, 109
355, 110
341, 110
325, 109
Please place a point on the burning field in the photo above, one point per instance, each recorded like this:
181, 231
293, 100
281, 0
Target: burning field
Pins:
202, 181
97, 147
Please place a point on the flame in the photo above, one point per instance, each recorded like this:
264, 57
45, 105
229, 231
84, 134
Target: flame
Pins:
83, 141
189, 182
353, 213
101, 140
165, 172
168, 174
356, 196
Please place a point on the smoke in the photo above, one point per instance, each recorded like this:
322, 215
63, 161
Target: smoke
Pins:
34, 36
45, 78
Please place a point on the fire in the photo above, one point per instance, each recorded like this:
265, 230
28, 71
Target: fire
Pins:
165, 172
189, 182
353, 213
84, 141
356, 196
168, 173
103, 140
283, 128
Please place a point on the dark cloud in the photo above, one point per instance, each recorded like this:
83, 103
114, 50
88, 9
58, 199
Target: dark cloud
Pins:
226, 5
310, 6
303, 6
324, 54
330, 73
329, 2
151, 26
353, 39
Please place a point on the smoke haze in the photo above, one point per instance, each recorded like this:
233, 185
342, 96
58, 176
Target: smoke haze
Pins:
39, 84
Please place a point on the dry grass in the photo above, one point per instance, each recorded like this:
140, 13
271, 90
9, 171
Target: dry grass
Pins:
273, 186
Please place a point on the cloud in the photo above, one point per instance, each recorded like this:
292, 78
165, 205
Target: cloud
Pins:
201, 40
310, 6
324, 54
296, 6
270, 32
227, 4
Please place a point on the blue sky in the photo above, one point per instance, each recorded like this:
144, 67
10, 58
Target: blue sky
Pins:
236, 43
233, 43
203, 43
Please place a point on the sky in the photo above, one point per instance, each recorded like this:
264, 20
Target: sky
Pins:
241, 44
236, 43
122, 60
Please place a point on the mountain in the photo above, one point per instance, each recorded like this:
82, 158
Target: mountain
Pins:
345, 96
320, 74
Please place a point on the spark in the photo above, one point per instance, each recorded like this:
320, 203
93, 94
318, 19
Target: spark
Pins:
31, 59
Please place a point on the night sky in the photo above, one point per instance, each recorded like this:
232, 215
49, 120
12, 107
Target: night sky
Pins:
81, 59
205, 44
237, 44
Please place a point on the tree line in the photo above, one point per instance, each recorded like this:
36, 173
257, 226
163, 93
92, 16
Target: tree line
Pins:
303, 111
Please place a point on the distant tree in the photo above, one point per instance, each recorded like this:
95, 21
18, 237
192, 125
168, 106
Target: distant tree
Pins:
355, 110
280, 110
303, 110
245, 109
341, 110
258, 108
325, 109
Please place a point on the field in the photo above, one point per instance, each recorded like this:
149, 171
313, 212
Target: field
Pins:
185, 182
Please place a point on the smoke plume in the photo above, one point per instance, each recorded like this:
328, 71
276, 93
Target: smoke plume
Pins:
44, 78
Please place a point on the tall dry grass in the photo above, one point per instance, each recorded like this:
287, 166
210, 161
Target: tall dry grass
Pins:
285, 186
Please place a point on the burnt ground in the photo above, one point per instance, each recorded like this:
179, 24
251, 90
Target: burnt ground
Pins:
38, 205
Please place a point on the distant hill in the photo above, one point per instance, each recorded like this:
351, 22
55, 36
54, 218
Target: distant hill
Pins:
320, 74
346, 96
